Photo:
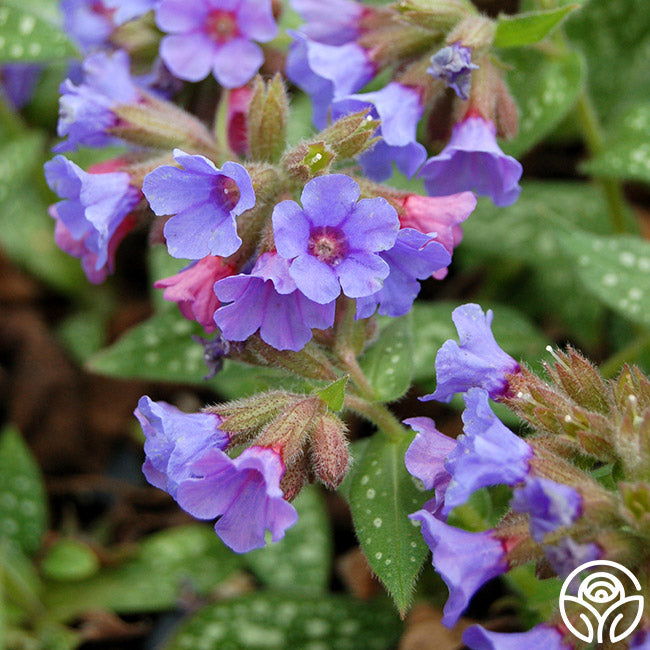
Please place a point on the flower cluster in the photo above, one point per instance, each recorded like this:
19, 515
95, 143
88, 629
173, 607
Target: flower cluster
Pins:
560, 514
333, 57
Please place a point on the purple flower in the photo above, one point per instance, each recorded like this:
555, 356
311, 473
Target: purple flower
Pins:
94, 205
86, 111
87, 22
414, 257
18, 81
215, 35
550, 505
487, 454
441, 215
126, 10
333, 239
567, 555
79, 249
327, 73
174, 440
640, 641
541, 637
453, 65
465, 561
425, 459
268, 300
472, 160
193, 289
399, 108
333, 23
205, 201
477, 362
243, 492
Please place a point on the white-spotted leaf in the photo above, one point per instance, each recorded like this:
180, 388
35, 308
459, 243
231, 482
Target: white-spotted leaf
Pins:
529, 27
388, 363
302, 560
381, 496
279, 621
23, 506
25, 36
615, 269
545, 89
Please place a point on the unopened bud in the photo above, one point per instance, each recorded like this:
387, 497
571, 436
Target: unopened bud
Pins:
435, 15
268, 113
243, 418
475, 32
295, 476
329, 451
291, 427
308, 160
159, 124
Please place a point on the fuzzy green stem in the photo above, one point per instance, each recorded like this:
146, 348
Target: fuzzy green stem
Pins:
613, 365
592, 133
220, 128
378, 414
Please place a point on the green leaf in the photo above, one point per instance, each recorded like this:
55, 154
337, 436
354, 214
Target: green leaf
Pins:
83, 333
526, 235
68, 560
27, 236
302, 560
18, 158
382, 494
334, 394
268, 620
388, 363
433, 326
615, 269
615, 38
183, 559
24, 36
162, 349
539, 598
626, 154
23, 506
545, 89
527, 28
162, 265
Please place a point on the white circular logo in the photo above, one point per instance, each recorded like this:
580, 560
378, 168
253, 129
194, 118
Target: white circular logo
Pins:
601, 599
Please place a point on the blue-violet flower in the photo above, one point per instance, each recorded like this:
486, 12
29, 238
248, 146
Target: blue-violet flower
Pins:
245, 494
541, 637
453, 65
333, 240
215, 35
477, 362
205, 201
174, 439
399, 108
335, 22
472, 160
268, 300
94, 204
487, 454
465, 561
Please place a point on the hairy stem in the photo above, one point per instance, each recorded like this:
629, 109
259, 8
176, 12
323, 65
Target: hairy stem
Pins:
378, 414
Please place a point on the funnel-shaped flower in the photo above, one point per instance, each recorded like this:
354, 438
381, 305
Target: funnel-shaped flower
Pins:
472, 160
465, 561
487, 454
541, 637
453, 64
334, 23
93, 209
477, 362
205, 201
333, 240
193, 289
399, 108
243, 492
327, 72
268, 300
174, 440
215, 35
